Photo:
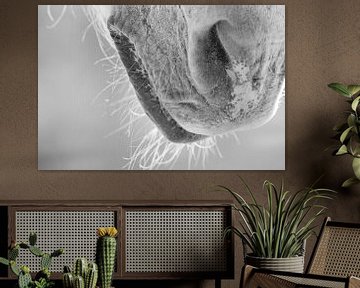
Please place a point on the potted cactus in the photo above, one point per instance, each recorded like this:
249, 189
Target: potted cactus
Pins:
106, 254
84, 275
42, 278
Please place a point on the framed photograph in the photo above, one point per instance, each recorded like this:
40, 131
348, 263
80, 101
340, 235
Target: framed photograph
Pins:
161, 87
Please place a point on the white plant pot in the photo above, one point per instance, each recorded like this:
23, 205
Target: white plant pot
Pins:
291, 264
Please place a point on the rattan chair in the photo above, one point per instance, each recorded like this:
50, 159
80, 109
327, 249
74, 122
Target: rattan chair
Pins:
334, 263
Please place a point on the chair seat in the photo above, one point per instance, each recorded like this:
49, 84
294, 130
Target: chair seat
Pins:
315, 282
263, 278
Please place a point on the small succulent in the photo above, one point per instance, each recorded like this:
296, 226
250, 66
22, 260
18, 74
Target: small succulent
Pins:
348, 133
42, 278
42, 283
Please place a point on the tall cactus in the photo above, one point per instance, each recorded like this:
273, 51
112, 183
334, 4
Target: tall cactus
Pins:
106, 254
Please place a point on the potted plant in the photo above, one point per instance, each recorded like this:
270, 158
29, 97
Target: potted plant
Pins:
84, 274
348, 132
87, 274
42, 278
276, 233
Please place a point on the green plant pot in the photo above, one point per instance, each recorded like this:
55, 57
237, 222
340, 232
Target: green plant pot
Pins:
291, 264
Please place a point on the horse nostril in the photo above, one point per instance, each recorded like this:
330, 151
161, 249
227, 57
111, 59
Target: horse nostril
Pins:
217, 54
208, 59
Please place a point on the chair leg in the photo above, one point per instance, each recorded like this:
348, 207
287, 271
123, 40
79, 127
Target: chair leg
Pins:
246, 273
217, 283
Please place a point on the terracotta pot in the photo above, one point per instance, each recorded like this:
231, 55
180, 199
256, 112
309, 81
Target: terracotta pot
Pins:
291, 264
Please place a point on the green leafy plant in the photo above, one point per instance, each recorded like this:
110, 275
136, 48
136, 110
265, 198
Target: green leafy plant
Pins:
348, 132
42, 278
279, 229
43, 283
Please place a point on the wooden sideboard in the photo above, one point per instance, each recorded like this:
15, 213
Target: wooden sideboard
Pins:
157, 240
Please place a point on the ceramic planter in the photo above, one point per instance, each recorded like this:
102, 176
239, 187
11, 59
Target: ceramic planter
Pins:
291, 264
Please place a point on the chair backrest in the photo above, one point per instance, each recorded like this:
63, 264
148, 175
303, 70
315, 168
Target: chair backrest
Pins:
337, 251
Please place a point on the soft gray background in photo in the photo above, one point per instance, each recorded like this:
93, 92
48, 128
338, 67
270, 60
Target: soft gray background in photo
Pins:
73, 130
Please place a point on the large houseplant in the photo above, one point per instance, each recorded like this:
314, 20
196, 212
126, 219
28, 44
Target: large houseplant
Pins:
348, 133
276, 233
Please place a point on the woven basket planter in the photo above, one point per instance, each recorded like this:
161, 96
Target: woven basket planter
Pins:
291, 264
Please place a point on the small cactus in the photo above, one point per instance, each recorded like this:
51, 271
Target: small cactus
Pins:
57, 253
32, 238
90, 272
45, 261
91, 276
36, 251
80, 267
14, 268
68, 280
79, 282
106, 254
24, 245
67, 269
25, 269
24, 278
13, 253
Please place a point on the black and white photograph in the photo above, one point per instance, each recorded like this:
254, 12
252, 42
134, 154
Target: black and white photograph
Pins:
161, 87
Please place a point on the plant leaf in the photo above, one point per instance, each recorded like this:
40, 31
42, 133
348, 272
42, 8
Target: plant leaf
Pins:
279, 228
345, 134
353, 89
349, 182
32, 238
14, 268
351, 119
356, 167
4, 261
354, 143
13, 253
355, 103
45, 261
342, 150
340, 88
